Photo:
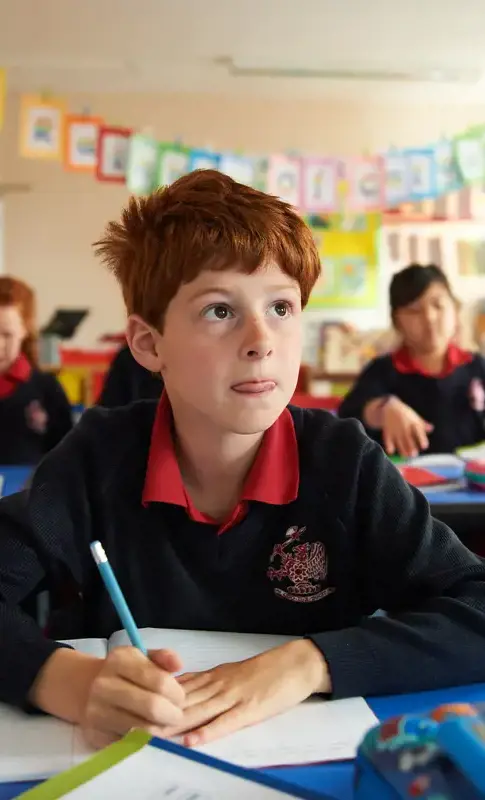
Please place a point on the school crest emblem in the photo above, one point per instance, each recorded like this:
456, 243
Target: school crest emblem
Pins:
301, 566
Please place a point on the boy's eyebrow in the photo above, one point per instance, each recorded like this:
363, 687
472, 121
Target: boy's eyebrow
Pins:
227, 292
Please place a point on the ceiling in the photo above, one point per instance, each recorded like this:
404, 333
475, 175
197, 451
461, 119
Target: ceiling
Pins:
437, 47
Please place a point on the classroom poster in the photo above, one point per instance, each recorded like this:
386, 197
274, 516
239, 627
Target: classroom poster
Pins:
470, 155
471, 258
174, 161
112, 156
203, 159
284, 179
81, 142
348, 252
141, 168
319, 182
240, 168
365, 184
3, 95
41, 127
421, 173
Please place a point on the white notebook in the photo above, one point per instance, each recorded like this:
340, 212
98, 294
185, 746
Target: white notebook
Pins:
314, 731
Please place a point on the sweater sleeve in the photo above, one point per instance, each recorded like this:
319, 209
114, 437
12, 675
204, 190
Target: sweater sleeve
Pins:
58, 410
40, 535
432, 588
373, 382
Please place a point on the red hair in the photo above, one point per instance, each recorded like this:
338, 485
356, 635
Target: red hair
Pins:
14, 292
205, 220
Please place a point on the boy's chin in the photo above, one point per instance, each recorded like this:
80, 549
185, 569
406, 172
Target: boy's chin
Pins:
250, 422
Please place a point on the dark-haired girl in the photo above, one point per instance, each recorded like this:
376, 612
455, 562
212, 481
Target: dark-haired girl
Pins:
428, 395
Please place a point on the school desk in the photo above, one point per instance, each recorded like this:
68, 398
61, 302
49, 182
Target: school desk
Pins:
336, 779
462, 510
14, 478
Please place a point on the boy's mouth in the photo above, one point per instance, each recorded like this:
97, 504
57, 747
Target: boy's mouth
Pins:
254, 387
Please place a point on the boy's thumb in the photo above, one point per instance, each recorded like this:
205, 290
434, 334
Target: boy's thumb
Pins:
166, 660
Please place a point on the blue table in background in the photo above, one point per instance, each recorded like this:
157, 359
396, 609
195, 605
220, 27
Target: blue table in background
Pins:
15, 479
336, 779
461, 509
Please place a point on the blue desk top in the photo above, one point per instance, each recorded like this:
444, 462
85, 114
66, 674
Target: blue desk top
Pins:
460, 497
15, 479
335, 779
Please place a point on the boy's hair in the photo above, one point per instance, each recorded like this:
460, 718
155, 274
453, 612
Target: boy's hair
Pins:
205, 220
14, 292
412, 282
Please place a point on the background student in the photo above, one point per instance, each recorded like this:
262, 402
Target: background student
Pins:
127, 381
428, 395
35, 413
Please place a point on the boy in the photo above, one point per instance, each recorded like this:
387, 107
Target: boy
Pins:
222, 509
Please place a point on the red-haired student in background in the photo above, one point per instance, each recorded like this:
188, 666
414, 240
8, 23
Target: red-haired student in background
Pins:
34, 411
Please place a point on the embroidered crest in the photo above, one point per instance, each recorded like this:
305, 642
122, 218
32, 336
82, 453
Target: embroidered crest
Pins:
303, 565
36, 417
476, 394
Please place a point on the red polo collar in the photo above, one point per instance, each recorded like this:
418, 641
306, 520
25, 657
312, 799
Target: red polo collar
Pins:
18, 372
274, 477
455, 357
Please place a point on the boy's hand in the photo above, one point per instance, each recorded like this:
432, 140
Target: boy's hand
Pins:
403, 431
132, 691
233, 696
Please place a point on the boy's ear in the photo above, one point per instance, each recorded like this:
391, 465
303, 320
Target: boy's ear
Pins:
143, 340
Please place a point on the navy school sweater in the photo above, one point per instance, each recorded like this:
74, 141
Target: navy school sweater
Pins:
127, 381
443, 401
358, 538
20, 441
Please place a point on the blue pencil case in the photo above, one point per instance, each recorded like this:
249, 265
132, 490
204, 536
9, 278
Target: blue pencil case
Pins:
435, 756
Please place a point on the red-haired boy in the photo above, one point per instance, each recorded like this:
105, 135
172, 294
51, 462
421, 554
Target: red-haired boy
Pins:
222, 509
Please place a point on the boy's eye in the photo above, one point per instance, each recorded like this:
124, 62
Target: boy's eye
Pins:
281, 308
219, 312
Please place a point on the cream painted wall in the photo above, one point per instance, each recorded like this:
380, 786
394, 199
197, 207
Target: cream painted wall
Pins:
49, 231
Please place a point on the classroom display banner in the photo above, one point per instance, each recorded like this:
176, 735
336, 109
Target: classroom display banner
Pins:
376, 182
348, 252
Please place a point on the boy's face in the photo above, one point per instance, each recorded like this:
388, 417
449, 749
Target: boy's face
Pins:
430, 323
231, 347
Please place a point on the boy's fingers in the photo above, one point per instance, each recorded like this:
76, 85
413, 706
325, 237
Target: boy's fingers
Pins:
131, 665
152, 708
166, 659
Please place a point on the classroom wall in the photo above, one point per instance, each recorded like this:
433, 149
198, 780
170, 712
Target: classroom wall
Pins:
49, 230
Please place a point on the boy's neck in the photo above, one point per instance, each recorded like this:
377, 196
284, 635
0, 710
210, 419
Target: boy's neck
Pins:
213, 464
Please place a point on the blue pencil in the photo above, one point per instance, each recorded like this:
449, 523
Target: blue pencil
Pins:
116, 595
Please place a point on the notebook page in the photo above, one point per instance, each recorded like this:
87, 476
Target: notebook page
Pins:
34, 747
313, 732
91, 647
152, 774
200, 650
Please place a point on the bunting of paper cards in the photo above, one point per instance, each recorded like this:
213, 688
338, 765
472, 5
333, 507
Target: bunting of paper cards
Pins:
112, 153
421, 173
448, 178
284, 179
365, 183
142, 165
470, 155
396, 179
3, 95
81, 142
173, 162
239, 168
203, 159
319, 185
41, 127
